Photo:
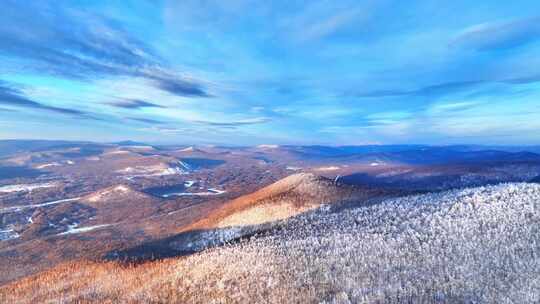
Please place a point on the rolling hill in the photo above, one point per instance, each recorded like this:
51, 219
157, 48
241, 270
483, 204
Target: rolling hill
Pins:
475, 245
255, 213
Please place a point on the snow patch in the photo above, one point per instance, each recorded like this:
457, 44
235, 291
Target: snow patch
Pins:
116, 152
120, 189
8, 234
210, 192
24, 207
157, 170
55, 164
25, 187
147, 148
216, 191
185, 165
330, 168
268, 146
72, 229
293, 168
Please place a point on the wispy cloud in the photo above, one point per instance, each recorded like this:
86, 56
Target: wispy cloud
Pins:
324, 19
443, 89
134, 104
167, 130
241, 122
430, 90
441, 108
14, 97
499, 35
146, 120
180, 87
84, 44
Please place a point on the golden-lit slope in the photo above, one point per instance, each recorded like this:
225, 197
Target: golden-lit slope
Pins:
253, 213
288, 197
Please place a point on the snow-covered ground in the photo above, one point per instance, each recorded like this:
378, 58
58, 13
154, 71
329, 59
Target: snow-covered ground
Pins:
188, 184
183, 168
211, 191
138, 147
43, 166
122, 190
8, 234
74, 228
25, 187
268, 146
216, 191
329, 168
188, 149
115, 152
293, 168
24, 207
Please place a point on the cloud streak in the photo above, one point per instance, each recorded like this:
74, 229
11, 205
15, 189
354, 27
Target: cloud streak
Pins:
496, 36
179, 87
431, 90
444, 88
241, 122
146, 120
14, 97
134, 104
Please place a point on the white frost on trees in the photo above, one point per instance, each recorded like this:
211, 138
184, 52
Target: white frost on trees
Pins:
478, 245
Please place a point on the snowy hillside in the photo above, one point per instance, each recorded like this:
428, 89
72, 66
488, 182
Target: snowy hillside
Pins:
473, 245
477, 245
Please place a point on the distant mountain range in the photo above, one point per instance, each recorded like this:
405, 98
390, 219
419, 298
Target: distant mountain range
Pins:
8, 147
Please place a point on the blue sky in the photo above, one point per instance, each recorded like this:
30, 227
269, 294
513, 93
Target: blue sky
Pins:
244, 72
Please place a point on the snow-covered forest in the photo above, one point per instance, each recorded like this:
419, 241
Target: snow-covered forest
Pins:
478, 245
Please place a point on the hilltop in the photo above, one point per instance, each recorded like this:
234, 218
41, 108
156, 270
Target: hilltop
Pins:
285, 198
256, 212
